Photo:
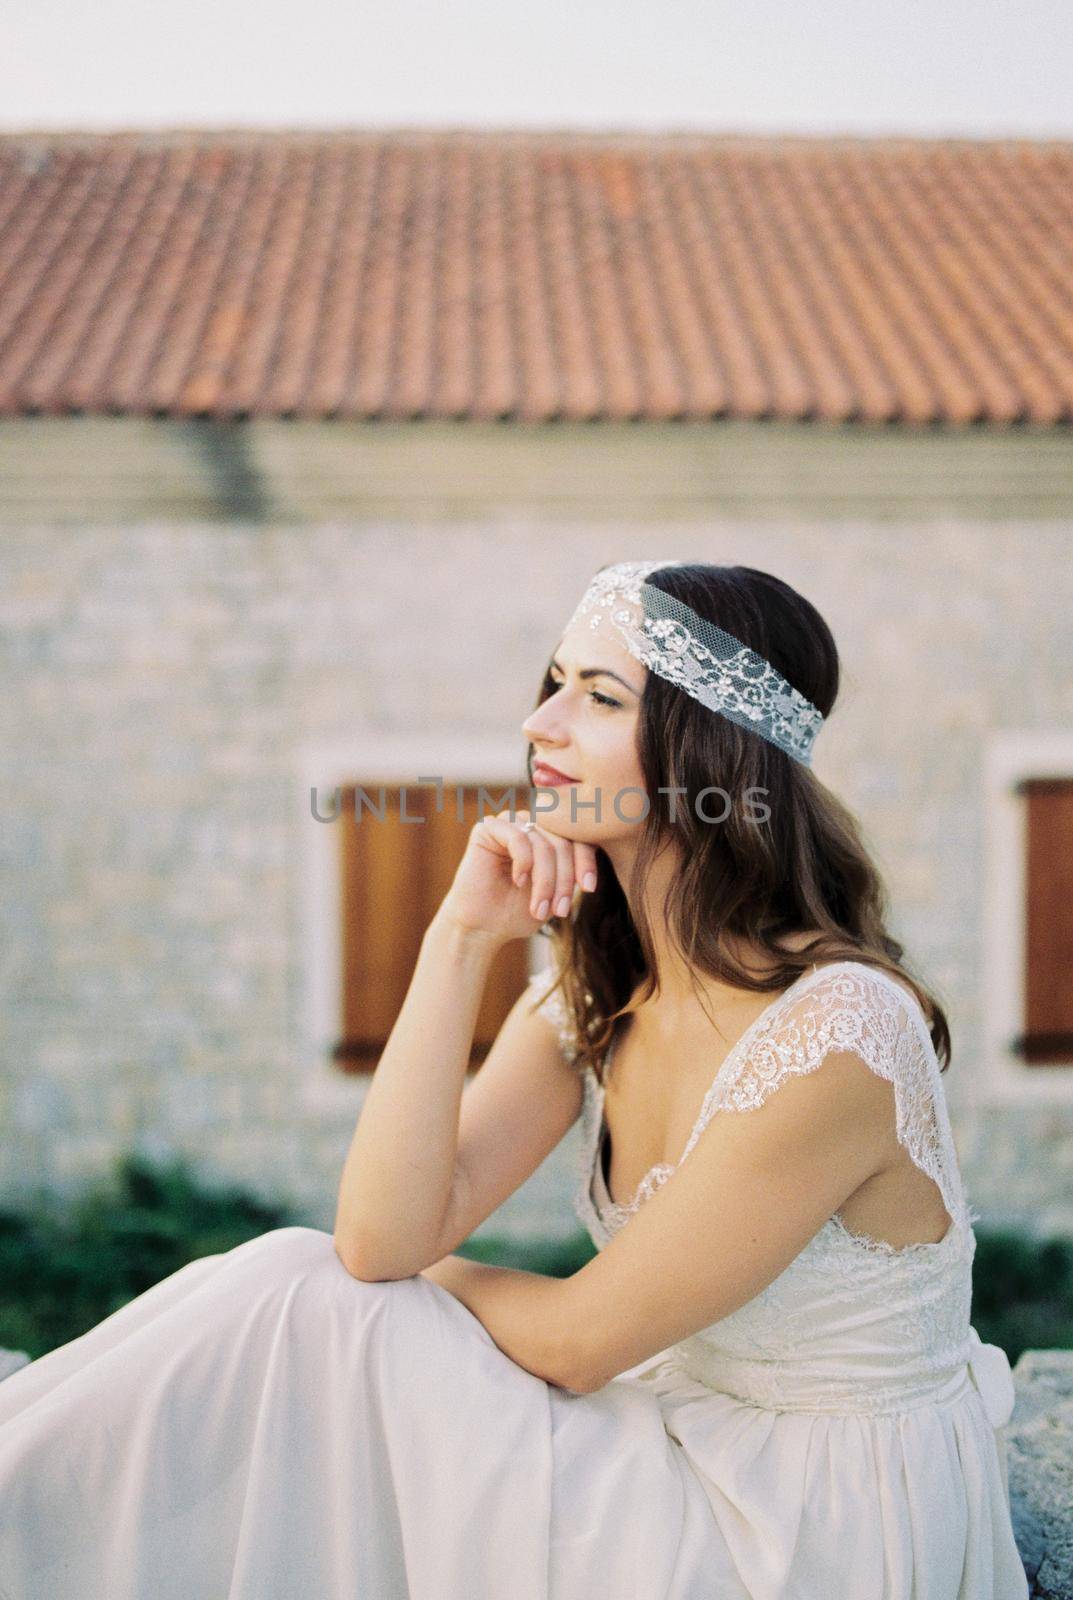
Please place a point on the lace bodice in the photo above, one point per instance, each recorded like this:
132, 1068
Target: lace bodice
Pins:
909, 1304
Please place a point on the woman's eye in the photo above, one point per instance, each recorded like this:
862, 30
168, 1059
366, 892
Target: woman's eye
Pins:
600, 699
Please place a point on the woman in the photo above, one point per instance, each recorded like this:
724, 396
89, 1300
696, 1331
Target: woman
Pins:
764, 1385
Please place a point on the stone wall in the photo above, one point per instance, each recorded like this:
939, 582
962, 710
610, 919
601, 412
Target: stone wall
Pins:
1039, 1440
162, 679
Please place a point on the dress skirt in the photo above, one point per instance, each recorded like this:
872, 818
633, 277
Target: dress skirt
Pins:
263, 1426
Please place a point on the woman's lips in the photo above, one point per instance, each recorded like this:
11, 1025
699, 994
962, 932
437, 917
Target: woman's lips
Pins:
548, 778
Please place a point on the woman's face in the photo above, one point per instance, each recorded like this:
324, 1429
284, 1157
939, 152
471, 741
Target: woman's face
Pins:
587, 729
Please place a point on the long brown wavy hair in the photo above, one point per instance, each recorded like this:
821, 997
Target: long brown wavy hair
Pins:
805, 867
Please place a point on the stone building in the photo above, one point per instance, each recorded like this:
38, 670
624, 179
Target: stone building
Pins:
308, 446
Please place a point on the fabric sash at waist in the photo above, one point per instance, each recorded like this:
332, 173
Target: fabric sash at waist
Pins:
845, 1387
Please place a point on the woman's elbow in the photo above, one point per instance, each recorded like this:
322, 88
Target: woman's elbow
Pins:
362, 1263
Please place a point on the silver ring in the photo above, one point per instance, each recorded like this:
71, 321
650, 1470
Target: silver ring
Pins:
527, 827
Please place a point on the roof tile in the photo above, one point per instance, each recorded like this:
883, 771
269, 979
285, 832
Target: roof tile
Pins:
536, 276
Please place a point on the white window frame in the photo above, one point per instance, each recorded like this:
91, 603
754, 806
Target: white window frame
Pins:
369, 757
1009, 758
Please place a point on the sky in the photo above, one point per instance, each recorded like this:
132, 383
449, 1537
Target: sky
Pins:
954, 67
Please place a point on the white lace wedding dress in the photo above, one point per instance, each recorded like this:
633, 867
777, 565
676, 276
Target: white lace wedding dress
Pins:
262, 1426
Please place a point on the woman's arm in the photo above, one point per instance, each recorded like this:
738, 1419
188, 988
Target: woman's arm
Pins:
396, 1183
400, 1172
526, 1314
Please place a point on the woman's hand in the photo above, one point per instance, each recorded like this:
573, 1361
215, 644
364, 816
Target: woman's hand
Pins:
510, 881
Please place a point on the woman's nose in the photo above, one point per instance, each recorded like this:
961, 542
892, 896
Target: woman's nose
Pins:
543, 723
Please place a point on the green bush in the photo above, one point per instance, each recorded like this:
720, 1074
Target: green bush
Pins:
1022, 1291
63, 1269
557, 1258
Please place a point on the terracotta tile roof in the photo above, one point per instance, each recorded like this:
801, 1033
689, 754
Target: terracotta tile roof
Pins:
536, 276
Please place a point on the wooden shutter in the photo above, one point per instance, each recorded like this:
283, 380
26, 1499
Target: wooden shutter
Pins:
395, 873
1048, 929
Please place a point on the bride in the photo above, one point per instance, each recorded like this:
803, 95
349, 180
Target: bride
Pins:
763, 1385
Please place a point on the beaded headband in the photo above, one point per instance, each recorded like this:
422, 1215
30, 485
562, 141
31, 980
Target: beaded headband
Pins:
724, 674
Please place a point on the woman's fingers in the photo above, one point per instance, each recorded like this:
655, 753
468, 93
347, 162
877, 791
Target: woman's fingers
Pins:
543, 898
554, 875
585, 865
563, 893
513, 841
553, 865
548, 861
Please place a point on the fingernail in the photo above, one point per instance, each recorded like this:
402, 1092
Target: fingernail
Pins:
563, 907
542, 910
589, 880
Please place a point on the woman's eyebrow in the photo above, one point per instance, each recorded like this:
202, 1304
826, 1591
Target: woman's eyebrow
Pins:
598, 672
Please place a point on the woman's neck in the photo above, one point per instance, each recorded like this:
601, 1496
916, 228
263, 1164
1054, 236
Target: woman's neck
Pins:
677, 999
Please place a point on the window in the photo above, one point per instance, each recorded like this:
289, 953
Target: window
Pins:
1047, 1036
396, 865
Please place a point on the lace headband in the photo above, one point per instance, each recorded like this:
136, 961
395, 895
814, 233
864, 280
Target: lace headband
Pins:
670, 639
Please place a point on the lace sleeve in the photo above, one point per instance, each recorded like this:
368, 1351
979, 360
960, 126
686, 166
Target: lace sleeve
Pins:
868, 1014
554, 1008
